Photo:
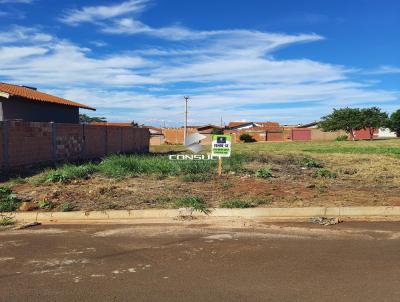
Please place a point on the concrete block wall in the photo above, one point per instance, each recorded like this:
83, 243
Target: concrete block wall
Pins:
27, 143
69, 141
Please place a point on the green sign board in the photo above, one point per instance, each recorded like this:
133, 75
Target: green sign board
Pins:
221, 145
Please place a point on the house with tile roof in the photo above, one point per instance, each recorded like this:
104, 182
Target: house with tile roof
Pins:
28, 104
248, 125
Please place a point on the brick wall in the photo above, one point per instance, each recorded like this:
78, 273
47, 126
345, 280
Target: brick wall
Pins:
156, 140
364, 134
260, 135
319, 135
1, 145
275, 136
174, 136
95, 138
28, 143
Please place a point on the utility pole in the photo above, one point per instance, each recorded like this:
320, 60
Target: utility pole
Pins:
186, 118
221, 121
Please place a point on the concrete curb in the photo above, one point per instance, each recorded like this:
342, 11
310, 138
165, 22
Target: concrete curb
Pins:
273, 213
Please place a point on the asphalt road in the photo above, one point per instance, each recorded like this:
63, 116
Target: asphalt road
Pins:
194, 262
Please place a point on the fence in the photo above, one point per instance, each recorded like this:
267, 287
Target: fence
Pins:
28, 143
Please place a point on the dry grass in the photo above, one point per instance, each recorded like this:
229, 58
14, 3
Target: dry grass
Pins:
367, 175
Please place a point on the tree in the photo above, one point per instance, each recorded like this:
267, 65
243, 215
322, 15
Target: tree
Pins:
217, 131
347, 119
394, 123
373, 118
135, 124
85, 119
247, 138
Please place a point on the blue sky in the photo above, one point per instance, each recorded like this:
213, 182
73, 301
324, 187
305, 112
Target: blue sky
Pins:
287, 61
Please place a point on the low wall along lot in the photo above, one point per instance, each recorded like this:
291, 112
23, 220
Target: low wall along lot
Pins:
27, 143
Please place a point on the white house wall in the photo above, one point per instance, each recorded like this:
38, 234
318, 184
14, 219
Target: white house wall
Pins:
386, 133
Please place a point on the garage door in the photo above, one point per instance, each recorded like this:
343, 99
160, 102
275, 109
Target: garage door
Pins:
301, 134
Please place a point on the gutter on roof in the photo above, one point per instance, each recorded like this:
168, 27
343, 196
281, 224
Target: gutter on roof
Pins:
4, 94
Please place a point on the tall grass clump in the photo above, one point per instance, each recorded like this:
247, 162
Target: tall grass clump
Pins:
309, 162
194, 202
236, 204
236, 162
68, 172
8, 200
134, 165
6, 220
264, 172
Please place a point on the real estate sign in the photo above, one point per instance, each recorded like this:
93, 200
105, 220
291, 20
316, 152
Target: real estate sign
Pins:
221, 145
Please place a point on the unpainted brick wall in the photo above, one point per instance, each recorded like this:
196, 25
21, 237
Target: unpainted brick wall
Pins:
29, 143
175, 136
275, 136
258, 135
114, 137
1, 144
95, 141
319, 135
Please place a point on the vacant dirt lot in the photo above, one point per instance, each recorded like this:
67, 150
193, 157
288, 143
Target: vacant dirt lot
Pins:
356, 174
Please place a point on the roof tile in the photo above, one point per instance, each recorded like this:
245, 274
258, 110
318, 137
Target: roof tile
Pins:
35, 95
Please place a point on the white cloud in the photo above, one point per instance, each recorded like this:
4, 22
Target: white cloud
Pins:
23, 35
228, 72
385, 69
17, 1
98, 43
92, 14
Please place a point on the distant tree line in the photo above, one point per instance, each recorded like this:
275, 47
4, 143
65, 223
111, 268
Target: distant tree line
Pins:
85, 119
353, 119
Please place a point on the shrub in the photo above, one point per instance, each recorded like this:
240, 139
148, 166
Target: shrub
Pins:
342, 138
45, 204
264, 172
247, 138
236, 204
196, 178
236, 161
217, 131
227, 185
8, 200
196, 203
110, 206
258, 202
66, 207
309, 162
68, 172
325, 173
6, 220
18, 180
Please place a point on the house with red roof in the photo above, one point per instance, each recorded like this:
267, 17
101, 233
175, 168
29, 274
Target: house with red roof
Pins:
28, 104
